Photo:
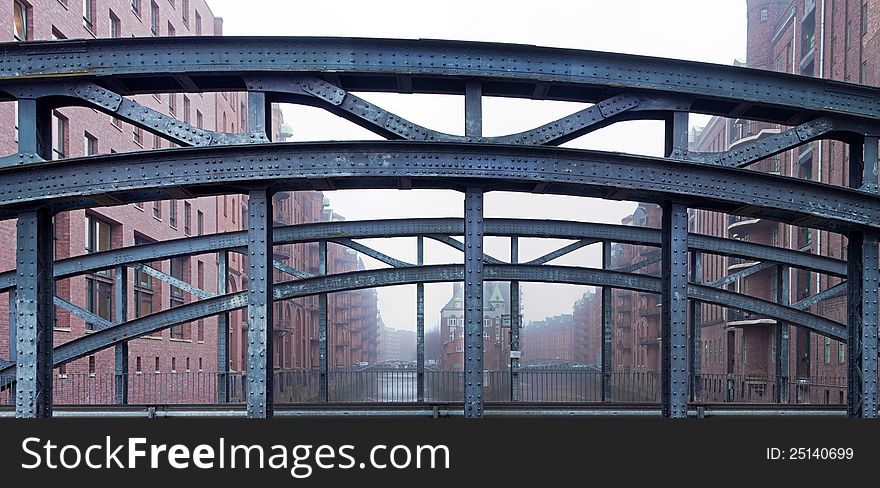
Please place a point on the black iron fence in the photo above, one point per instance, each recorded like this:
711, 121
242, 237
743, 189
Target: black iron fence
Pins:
401, 386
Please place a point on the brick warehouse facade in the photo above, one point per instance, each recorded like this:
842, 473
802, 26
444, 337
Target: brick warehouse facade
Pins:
190, 348
833, 39
830, 39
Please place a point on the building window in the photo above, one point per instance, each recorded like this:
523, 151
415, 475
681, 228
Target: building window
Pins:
848, 40
136, 7
92, 366
172, 213
199, 120
864, 18
187, 218
57, 35
157, 143
59, 136
115, 26
154, 19
138, 367
99, 285
863, 73
157, 210
200, 223
764, 14
198, 21
200, 364
184, 12
116, 122
173, 365
90, 143
157, 364
143, 287
180, 332
826, 351
186, 109
89, 15
21, 13
137, 135
172, 104
841, 352
171, 31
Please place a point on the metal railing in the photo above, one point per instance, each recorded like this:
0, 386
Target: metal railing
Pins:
723, 388
551, 386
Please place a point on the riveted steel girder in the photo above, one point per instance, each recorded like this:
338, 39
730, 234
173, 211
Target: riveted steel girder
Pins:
259, 306
35, 313
83, 182
432, 274
552, 229
150, 64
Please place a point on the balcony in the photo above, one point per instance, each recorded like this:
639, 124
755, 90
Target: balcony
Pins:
650, 312
740, 318
282, 325
736, 264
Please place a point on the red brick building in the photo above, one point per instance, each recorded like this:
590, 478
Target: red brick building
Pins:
76, 132
831, 39
496, 328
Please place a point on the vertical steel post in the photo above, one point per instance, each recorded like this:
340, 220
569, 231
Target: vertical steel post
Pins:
782, 336
862, 278
673, 367
323, 378
260, 362
606, 327
473, 303
12, 342
420, 324
473, 266
695, 324
35, 309
259, 114
515, 319
34, 128
120, 290
473, 109
222, 331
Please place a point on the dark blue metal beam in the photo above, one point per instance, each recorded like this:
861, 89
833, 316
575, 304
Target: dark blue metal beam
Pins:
77, 183
260, 362
35, 311
189, 312
718, 89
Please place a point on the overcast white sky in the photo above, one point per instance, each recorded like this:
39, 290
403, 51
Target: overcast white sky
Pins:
701, 30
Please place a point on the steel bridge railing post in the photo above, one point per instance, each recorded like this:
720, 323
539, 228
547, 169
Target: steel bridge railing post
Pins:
473, 266
35, 309
515, 319
606, 330
120, 290
473, 303
674, 285
695, 324
420, 324
222, 331
323, 372
260, 364
782, 336
12, 343
862, 277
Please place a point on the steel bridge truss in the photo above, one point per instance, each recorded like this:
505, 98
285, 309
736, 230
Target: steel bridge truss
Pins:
324, 72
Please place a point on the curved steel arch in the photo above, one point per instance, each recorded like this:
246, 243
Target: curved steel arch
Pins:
324, 72
552, 229
189, 312
81, 182
509, 70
